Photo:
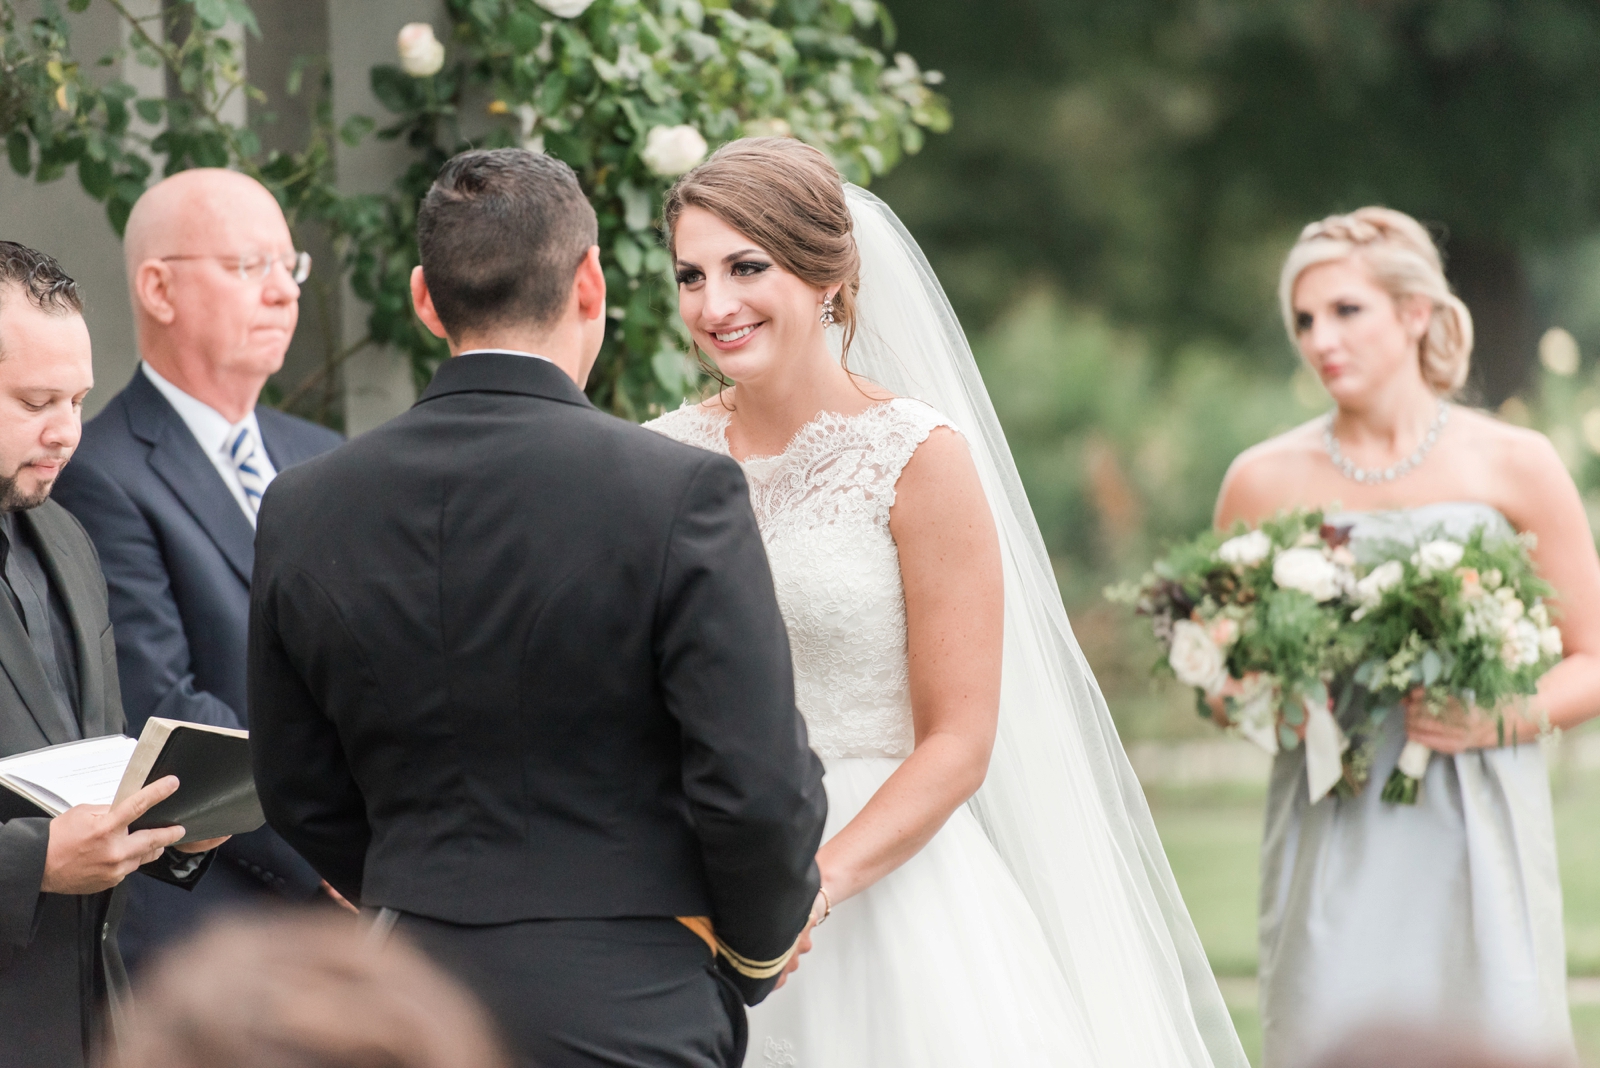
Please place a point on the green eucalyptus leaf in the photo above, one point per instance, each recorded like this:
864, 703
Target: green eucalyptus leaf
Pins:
629, 255
149, 109
1288, 740
523, 32
669, 370
213, 14
1431, 667
355, 128
636, 206
395, 89
19, 151
95, 176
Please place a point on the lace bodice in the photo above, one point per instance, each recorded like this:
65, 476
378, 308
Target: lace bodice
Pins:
823, 508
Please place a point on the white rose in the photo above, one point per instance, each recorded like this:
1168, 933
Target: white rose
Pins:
1385, 577
1247, 550
1195, 658
1309, 571
673, 150
1370, 590
1550, 643
1437, 556
565, 9
1521, 647
421, 54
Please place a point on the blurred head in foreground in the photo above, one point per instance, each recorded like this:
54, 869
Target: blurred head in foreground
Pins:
301, 992
1411, 1047
1365, 299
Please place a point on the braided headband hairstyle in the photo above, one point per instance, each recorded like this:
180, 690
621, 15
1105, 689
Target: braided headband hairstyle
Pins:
1404, 260
786, 197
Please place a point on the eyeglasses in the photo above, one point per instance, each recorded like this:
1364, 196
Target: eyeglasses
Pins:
254, 267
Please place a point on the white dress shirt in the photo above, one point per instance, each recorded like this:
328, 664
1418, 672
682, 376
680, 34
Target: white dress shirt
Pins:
212, 431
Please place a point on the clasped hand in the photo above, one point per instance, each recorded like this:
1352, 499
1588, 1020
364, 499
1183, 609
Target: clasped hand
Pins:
1459, 729
91, 848
819, 909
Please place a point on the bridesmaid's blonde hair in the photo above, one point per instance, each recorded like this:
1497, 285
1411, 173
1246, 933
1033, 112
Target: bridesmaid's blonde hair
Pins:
1404, 260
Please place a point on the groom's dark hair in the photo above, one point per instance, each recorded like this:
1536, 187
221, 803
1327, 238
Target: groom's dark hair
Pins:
501, 233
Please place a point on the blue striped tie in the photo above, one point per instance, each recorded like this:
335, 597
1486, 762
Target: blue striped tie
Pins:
242, 454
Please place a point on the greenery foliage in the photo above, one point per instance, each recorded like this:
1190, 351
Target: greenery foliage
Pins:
588, 88
1154, 159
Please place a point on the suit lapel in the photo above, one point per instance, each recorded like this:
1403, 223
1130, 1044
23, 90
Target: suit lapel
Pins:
177, 458
22, 666
70, 578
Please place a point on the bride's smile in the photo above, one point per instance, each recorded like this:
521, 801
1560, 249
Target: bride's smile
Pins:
744, 310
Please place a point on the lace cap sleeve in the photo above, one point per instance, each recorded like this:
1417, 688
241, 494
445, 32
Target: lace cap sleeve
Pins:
692, 425
905, 426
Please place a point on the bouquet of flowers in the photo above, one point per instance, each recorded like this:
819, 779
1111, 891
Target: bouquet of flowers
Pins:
1453, 621
1268, 622
1260, 621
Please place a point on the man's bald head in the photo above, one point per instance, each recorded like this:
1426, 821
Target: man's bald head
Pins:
208, 320
178, 212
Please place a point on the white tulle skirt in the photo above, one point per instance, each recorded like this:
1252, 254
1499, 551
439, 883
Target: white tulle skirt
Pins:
941, 963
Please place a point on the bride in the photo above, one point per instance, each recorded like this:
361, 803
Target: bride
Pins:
993, 890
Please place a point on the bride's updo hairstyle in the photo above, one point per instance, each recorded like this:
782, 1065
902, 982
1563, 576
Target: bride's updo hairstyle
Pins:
1403, 259
788, 198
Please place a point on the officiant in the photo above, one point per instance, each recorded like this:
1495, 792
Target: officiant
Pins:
59, 878
167, 481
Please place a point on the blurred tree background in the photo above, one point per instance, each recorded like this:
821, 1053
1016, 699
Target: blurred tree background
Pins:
1114, 200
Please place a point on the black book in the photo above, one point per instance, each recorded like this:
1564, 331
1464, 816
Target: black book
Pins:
216, 792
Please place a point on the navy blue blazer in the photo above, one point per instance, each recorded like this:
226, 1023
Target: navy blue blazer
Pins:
177, 554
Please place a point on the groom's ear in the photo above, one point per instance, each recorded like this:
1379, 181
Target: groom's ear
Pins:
422, 300
589, 286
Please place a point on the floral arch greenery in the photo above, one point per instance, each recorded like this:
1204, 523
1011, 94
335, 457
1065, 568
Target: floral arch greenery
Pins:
629, 92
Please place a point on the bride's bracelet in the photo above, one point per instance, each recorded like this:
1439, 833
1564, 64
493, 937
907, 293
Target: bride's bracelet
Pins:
827, 907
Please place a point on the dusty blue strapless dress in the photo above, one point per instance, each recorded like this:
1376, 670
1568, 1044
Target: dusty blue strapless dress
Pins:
1444, 913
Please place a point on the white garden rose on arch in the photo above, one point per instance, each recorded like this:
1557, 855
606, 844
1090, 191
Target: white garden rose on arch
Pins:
565, 9
673, 150
421, 53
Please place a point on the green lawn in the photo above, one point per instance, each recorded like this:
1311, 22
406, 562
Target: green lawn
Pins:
1212, 837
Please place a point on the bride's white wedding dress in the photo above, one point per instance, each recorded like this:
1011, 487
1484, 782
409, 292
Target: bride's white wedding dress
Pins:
942, 962
1041, 925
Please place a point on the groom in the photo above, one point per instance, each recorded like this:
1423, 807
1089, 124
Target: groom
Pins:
517, 671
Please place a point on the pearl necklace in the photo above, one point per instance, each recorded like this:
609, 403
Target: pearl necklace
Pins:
1388, 474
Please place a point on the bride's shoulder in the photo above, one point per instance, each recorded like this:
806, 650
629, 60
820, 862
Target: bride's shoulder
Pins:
1255, 481
699, 424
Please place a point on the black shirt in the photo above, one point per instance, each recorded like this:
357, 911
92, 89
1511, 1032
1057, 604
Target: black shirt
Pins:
57, 652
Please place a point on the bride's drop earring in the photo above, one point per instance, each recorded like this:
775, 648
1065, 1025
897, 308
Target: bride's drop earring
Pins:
827, 311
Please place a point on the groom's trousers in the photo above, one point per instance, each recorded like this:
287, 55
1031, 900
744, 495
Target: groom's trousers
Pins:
616, 993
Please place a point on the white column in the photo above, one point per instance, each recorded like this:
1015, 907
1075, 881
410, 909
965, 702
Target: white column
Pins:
361, 34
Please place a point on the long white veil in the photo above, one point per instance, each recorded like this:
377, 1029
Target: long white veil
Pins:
1061, 803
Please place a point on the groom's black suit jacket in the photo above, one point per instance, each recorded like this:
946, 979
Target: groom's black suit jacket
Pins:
512, 658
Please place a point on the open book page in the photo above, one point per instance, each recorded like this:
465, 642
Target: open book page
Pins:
81, 773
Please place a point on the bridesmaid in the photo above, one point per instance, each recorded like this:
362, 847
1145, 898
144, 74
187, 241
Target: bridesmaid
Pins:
1448, 912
